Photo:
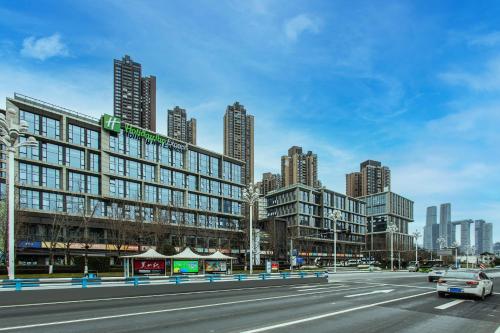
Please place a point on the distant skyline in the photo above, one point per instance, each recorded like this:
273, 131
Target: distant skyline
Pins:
414, 85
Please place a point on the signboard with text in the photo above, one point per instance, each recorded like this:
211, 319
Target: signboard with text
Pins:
148, 266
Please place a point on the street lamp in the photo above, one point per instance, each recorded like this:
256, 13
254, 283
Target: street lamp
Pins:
456, 245
392, 228
250, 195
10, 131
417, 235
471, 249
335, 215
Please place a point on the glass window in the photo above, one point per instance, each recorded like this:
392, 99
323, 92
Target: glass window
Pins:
29, 174
32, 153
94, 162
151, 152
215, 187
227, 206
191, 180
76, 134
148, 172
29, 199
117, 188
204, 162
52, 202
179, 179
52, 153
193, 201
165, 176
226, 172
178, 198
133, 146
236, 173
165, 155
236, 208
51, 177
204, 185
76, 182
74, 204
236, 192
178, 159
193, 161
96, 207
133, 169
150, 193
75, 158
117, 142
33, 121
226, 190
214, 205
203, 202
214, 166
164, 196
133, 190
50, 128
92, 139
93, 184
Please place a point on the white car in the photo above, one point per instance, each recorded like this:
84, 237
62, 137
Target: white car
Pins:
475, 283
436, 272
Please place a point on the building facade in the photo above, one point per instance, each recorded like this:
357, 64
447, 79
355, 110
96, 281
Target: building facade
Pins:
270, 182
383, 209
372, 178
445, 226
430, 236
299, 168
465, 239
484, 236
179, 127
306, 211
239, 138
134, 97
116, 177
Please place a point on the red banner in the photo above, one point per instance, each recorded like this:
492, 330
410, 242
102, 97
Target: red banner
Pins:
144, 266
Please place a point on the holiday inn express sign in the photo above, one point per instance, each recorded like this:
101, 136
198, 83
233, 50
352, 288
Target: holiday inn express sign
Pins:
114, 124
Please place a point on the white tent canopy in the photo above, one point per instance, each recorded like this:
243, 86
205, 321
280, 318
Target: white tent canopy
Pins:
149, 254
219, 256
187, 253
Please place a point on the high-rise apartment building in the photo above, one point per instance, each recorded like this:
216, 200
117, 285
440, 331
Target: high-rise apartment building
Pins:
179, 127
464, 233
238, 138
270, 182
372, 178
445, 226
431, 229
134, 98
484, 236
299, 168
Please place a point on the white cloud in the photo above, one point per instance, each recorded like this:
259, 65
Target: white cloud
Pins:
44, 47
489, 39
487, 80
295, 26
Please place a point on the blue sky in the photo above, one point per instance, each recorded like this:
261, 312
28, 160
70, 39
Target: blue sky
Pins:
413, 84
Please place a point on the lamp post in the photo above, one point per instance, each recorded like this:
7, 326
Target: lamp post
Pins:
455, 245
392, 228
10, 131
250, 195
335, 215
417, 235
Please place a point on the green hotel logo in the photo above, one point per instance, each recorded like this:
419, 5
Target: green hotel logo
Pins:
111, 123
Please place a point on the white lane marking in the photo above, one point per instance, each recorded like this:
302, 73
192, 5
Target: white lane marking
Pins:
449, 304
163, 310
310, 286
139, 296
325, 288
331, 314
497, 330
397, 285
371, 293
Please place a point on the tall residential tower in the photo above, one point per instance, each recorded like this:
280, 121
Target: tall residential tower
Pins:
299, 168
181, 128
134, 98
372, 178
238, 138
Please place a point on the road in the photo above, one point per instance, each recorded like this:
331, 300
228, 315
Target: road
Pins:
383, 302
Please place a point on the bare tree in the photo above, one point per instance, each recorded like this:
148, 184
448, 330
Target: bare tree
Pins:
55, 235
119, 231
86, 238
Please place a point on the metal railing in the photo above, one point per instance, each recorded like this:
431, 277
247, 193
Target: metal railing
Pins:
85, 282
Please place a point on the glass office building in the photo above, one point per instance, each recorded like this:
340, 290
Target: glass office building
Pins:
86, 169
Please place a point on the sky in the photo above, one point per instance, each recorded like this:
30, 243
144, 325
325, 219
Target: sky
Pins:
413, 84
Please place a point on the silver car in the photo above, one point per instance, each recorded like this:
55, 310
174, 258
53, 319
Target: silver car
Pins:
475, 283
436, 272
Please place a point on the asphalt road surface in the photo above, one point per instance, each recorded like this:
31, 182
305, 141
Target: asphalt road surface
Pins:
384, 302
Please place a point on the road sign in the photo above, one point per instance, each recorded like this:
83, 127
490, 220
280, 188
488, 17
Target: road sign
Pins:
482, 266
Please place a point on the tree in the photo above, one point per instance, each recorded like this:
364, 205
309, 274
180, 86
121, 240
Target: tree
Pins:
119, 230
86, 238
55, 235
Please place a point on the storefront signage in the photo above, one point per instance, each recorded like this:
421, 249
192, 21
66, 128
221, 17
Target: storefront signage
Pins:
111, 123
155, 138
149, 266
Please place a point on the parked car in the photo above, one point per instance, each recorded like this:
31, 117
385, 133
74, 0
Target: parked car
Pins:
475, 283
436, 272
413, 266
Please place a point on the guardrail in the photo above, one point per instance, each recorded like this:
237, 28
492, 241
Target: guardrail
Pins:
19, 284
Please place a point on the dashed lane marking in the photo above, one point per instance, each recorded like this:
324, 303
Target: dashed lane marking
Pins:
449, 304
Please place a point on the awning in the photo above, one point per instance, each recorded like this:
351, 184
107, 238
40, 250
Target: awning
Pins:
219, 256
149, 254
187, 253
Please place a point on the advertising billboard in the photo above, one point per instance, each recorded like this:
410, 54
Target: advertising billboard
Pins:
185, 266
212, 266
147, 266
